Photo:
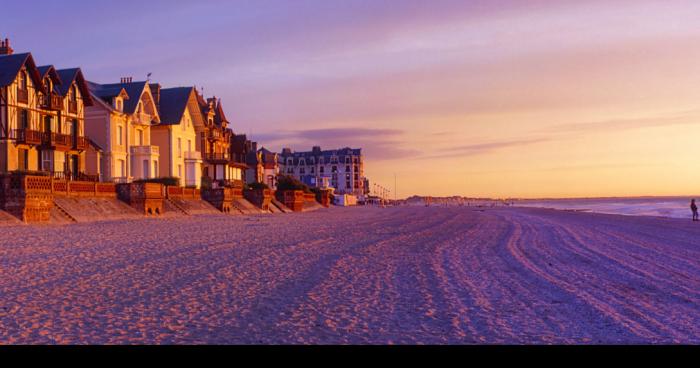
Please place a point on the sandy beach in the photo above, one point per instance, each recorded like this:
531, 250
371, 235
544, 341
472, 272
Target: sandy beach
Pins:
355, 275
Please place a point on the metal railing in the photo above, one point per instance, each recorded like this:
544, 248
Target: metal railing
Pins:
74, 176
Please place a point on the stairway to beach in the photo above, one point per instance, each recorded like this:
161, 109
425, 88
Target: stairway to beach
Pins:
91, 209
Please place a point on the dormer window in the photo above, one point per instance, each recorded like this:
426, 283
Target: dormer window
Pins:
73, 93
47, 85
118, 104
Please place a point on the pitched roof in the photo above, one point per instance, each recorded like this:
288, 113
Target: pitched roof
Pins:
103, 92
133, 89
10, 65
173, 102
219, 116
68, 76
49, 70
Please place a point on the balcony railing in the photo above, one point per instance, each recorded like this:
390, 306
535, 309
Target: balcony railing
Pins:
217, 157
26, 136
80, 143
193, 155
142, 118
145, 150
74, 176
22, 96
58, 141
51, 101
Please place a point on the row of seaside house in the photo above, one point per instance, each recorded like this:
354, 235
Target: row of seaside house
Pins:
56, 122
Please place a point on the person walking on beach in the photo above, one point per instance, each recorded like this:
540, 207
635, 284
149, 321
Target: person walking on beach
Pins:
694, 208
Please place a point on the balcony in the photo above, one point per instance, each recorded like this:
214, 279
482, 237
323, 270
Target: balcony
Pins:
144, 119
58, 141
145, 150
193, 155
22, 96
217, 158
51, 101
26, 136
80, 143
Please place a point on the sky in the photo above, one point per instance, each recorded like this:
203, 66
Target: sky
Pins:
496, 98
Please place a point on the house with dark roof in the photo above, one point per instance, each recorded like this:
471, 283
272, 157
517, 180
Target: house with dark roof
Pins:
177, 135
120, 122
341, 169
42, 116
262, 166
221, 165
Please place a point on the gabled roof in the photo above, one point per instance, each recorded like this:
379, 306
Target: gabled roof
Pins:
10, 65
173, 102
68, 77
50, 71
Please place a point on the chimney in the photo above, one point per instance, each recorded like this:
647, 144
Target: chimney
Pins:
316, 150
286, 151
5, 48
125, 80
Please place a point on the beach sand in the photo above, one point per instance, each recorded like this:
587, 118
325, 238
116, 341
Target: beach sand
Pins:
451, 275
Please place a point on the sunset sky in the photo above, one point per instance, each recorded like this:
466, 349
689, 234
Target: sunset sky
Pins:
476, 98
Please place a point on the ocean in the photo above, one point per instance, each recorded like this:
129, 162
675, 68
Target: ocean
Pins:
675, 207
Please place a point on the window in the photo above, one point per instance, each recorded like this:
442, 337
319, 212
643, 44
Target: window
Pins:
155, 168
23, 159
119, 105
347, 160
139, 137
347, 168
313, 170
23, 80
73, 93
146, 166
179, 147
47, 124
189, 145
320, 161
321, 169
302, 171
120, 133
179, 171
23, 119
334, 169
121, 168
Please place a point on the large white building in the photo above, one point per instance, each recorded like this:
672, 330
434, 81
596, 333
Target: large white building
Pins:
342, 169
